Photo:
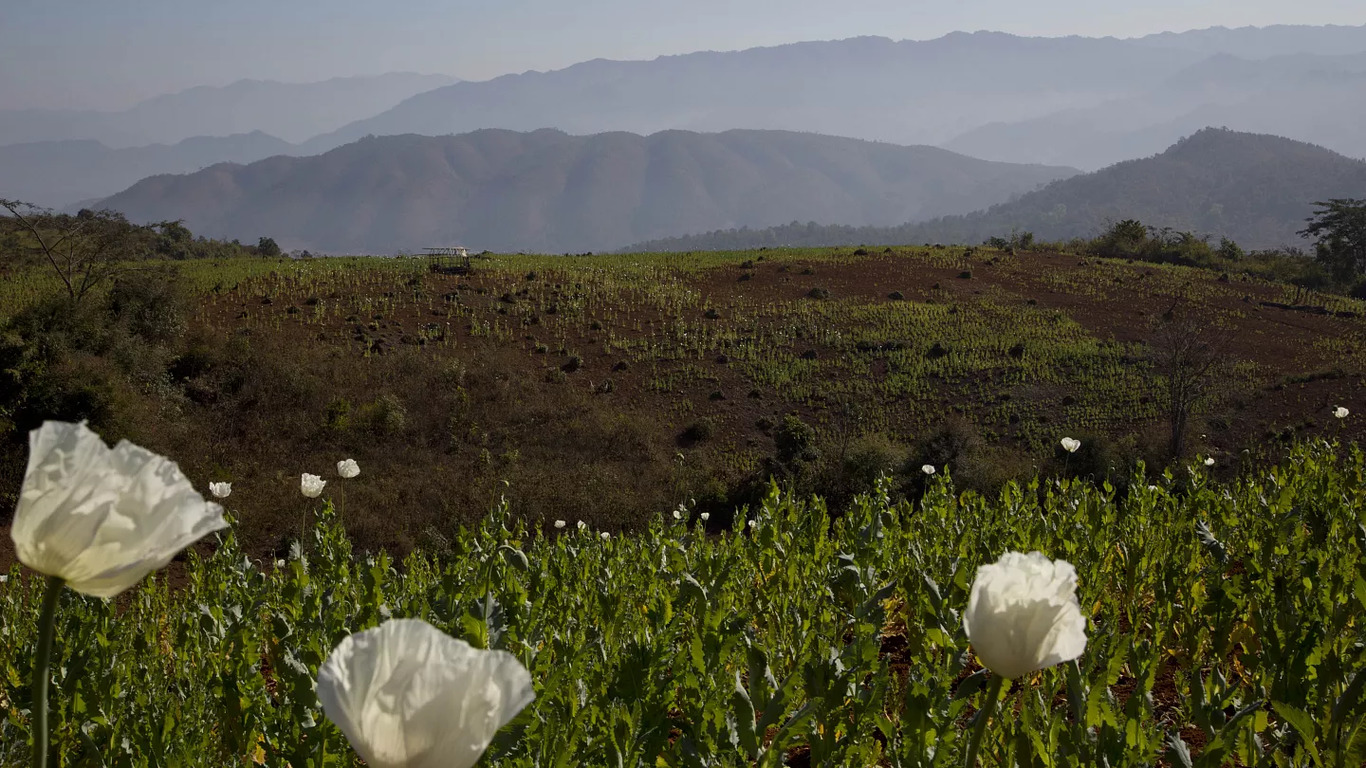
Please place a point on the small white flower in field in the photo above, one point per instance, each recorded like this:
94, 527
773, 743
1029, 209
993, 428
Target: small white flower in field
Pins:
1152, 488
1023, 614
102, 518
3, 578
311, 485
1209, 462
705, 516
559, 523
1070, 444
279, 563
927, 469
678, 514
348, 469
605, 535
1341, 413
751, 524
220, 490
582, 525
409, 696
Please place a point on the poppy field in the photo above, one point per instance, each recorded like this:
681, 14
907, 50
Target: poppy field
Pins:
1223, 626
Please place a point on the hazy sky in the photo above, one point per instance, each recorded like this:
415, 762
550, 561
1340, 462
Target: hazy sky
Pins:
107, 54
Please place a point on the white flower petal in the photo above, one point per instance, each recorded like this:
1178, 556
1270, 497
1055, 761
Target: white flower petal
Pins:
103, 519
220, 490
409, 696
1023, 614
348, 469
311, 485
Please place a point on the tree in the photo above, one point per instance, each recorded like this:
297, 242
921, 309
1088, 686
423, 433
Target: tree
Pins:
84, 250
1338, 227
1190, 355
267, 247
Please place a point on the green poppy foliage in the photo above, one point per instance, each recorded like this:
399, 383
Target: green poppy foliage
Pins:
1225, 626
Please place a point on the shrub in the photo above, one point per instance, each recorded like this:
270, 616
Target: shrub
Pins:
954, 443
795, 441
868, 458
699, 431
152, 304
386, 415
338, 414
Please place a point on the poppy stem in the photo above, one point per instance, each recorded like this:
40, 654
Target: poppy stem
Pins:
47, 627
980, 728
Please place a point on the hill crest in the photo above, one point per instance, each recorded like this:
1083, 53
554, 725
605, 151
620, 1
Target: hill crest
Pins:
548, 190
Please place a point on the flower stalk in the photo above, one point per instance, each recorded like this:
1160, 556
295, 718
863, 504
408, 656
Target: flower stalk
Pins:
988, 709
47, 627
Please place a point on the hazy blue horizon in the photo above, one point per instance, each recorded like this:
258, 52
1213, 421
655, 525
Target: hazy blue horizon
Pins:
73, 54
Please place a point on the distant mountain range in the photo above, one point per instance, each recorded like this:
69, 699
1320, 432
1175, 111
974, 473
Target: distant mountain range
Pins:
929, 92
1320, 99
291, 111
907, 92
549, 191
1074, 102
57, 174
1254, 189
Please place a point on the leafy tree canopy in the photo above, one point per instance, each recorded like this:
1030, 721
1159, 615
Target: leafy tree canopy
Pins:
1339, 228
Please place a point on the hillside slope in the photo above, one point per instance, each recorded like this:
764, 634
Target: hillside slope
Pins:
549, 191
1252, 188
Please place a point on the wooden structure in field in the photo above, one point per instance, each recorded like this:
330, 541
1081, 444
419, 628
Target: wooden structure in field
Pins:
441, 259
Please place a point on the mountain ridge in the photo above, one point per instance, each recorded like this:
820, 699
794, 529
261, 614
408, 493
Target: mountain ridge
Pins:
1253, 188
58, 174
291, 111
548, 190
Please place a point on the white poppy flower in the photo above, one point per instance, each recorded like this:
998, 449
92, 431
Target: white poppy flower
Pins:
3, 578
751, 524
220, 490
311, 485
348, 469
927, 469
678, 514
1341, 412
102, 518
605, 535
582, 525
1023, 614
705, 516
279, 563
559, 523
1070, 445
407, 695
1209, 462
